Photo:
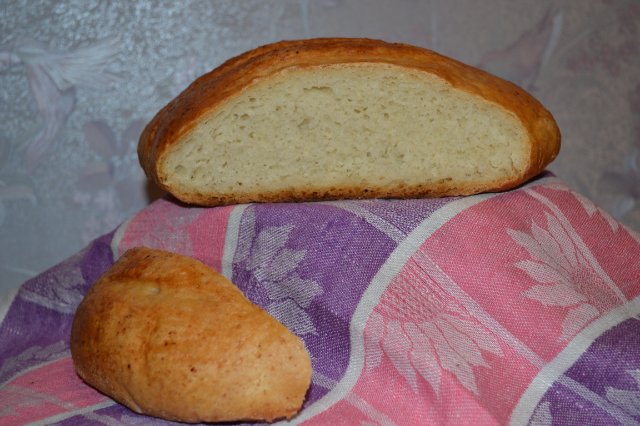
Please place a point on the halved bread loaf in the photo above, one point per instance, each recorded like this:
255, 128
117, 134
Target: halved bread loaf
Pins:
345, 118
169, 337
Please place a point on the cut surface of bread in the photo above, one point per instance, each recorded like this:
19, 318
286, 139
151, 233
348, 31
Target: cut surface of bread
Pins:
169, 337
345, 118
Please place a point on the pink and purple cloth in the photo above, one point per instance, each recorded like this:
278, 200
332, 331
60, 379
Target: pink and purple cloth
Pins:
512, 308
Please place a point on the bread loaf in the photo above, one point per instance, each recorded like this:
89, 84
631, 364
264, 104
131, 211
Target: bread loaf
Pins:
169, 337
345, 118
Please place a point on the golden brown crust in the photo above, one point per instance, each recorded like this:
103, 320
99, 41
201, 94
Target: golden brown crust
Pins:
167, 336
212, 89
443, 189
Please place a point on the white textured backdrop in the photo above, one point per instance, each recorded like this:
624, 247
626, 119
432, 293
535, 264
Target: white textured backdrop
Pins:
79, 79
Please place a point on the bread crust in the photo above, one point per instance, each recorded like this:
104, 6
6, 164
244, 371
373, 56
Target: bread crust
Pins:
211, 90
167, 336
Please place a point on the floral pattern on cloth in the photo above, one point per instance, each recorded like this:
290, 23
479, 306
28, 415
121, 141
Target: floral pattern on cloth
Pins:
519, 307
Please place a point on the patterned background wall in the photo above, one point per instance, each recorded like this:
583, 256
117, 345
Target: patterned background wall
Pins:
79, 79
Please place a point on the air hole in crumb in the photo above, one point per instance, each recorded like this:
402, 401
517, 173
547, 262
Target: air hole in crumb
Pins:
304, 124
180, 169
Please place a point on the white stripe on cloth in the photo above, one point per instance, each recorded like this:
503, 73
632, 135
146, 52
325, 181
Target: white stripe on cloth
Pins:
231, 240
554, 370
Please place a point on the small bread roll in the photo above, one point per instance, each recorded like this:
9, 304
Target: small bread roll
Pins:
169, 337
336, 118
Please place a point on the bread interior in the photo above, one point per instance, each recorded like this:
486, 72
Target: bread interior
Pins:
362, 125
